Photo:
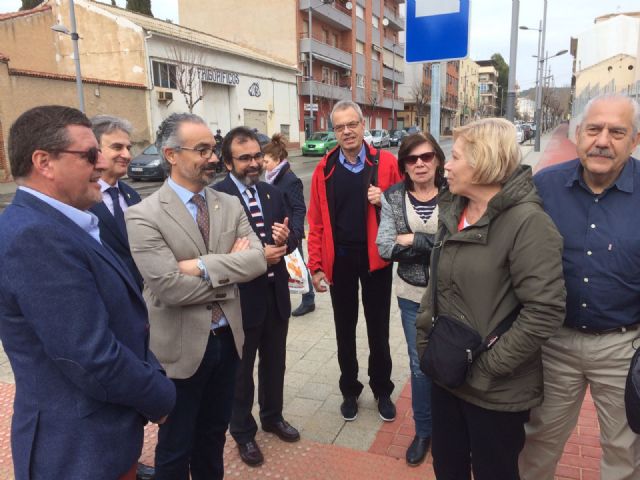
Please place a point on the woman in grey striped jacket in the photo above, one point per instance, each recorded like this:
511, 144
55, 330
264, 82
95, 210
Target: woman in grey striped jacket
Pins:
408, 223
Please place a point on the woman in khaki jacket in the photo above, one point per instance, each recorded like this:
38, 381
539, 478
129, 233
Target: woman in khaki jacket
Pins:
500, 252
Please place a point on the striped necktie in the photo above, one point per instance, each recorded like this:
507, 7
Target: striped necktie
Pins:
258, 221
202, 219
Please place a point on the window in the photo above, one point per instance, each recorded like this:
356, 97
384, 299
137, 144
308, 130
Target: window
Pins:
305, 28
359, 12
359, 47
374, 87
484, 88
325, 75
375, 54
375, 21
285, 130
325, 36
164, 75
334, 40
359, 81
335, 77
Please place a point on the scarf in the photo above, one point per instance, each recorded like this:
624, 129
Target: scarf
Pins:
271, 176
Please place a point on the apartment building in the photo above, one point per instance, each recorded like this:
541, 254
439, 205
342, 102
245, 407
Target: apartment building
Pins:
468, 93
342, 49
488, 86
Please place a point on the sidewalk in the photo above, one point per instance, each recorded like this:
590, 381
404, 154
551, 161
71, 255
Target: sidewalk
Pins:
366, 448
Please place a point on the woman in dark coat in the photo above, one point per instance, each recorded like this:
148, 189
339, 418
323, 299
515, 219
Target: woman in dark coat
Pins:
280, 175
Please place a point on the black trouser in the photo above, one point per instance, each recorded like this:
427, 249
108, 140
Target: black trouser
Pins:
192, 439
351, 268
269, 339
467, 437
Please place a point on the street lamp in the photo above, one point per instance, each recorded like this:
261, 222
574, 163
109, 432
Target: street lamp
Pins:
76, 53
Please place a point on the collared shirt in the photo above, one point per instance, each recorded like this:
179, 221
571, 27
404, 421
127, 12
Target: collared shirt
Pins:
185, 197
354, 167
106, 198
242, 188
87, 221
601, 255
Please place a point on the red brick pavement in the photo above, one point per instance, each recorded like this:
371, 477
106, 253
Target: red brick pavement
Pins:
559, 149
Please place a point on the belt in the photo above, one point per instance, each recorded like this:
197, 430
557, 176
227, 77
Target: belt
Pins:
593, 331
221, 330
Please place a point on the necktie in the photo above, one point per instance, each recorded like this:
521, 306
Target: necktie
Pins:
258, 220
118, 214
202, 219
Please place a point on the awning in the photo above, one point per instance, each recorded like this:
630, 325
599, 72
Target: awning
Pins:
332, 61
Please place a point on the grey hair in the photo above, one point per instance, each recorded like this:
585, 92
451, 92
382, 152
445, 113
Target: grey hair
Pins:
344, 105
167, 135
101, 124
635, 108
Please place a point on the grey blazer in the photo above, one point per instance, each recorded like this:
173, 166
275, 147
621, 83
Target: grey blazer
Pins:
162, 232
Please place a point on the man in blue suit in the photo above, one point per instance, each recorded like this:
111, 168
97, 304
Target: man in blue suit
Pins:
114, 136
265, 301
72, 320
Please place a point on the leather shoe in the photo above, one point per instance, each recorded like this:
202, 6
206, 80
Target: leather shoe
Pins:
145, 472
303, 310
250, 453
417, 451
283, 430
386, 408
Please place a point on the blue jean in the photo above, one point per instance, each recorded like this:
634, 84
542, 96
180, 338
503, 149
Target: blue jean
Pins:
420, 383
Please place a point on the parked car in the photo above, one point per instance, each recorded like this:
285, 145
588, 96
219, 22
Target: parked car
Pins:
263, 139
413, 129
368, 137
528, 131
319, 143
396, 136
519, 134
380, 138
147, 166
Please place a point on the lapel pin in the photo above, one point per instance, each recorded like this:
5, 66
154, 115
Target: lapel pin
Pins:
215, 207
268, 196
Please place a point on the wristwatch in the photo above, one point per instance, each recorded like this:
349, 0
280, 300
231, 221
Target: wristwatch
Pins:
203, 269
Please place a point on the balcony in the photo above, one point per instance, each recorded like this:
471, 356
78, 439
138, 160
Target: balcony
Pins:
326, 53
395, 21
389, 45
331, 14
387, 73
325, 90
389, 102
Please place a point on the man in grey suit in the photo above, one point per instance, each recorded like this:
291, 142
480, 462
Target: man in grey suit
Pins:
192, 246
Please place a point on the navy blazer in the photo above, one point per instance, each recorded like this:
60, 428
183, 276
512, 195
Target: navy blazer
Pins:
111, 234
291, 187
74, 326
253, 299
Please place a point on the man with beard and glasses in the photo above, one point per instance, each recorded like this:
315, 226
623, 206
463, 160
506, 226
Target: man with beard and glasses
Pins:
193, 245
265, 301
594, 201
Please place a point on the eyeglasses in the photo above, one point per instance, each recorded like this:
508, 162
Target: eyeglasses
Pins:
247, 157
426, 157
351, 125
90, 155
205, 152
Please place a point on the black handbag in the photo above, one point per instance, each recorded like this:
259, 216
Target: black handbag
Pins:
452, 346
632, 393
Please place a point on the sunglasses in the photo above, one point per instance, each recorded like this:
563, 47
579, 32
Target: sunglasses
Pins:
90, 155
426, 157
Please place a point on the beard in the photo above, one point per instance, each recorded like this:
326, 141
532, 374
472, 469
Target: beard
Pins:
250, 177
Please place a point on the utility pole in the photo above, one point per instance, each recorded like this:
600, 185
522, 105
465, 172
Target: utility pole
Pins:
513, 54
536, 146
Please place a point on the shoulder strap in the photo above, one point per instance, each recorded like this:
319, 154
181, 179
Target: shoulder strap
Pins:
374, 169
433, 276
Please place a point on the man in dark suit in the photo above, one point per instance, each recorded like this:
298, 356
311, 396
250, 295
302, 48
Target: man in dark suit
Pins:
265, 301
113, 135
72, 320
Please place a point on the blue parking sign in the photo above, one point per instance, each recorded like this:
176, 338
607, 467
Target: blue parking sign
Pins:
437, 30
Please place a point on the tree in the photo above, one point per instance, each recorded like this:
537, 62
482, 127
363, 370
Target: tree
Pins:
421, 97
188, 81
29, 4
140, 6
503, 82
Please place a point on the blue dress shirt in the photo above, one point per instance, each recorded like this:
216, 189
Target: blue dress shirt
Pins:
354, 167
87, 221
601, 256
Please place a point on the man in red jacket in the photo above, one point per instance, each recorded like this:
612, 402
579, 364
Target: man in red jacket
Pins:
343, 225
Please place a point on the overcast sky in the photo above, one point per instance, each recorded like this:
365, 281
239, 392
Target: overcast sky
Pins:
490, 28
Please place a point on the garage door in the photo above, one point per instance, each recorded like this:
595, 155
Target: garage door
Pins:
256, 119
